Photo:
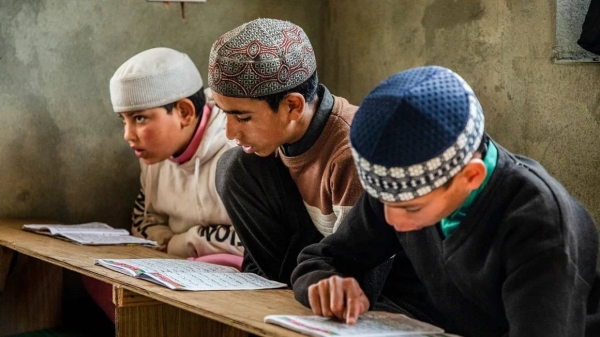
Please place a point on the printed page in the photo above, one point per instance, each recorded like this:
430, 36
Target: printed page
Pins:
89, 231
370, 324
196, 281
47, 227
170, 265
97, 240
120, 267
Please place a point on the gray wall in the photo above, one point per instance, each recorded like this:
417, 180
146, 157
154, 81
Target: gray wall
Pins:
504, 49
61, 150
62, 153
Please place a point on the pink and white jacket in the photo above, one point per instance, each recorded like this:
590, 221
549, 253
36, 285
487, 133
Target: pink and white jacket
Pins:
178, 203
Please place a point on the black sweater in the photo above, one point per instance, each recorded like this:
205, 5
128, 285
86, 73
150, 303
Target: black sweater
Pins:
522, 262
590, 32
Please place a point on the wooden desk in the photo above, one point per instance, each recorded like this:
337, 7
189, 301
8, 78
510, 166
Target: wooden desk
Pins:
32, 291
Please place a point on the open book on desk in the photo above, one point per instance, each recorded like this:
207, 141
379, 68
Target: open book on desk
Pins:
93, 233
179, 274
369, 324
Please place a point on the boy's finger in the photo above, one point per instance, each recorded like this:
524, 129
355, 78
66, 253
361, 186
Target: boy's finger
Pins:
314, 299
356, 302
323, 287
337, 299
353, 310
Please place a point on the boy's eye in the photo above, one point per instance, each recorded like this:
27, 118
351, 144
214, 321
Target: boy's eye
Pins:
242, 120
139, 119
412, 210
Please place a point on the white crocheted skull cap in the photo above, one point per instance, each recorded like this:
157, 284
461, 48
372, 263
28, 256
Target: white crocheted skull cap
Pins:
153, 78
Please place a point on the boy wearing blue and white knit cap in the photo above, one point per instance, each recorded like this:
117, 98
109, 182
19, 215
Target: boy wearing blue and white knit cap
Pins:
485, 242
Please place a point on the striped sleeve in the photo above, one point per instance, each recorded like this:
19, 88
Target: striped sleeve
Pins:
137, 216
151, 226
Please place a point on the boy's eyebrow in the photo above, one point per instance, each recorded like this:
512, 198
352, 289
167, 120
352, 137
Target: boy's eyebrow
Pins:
236, 112
128, 113
233, 112
405, 206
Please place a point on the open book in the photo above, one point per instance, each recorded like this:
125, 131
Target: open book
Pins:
93, 233
179, 274
370, 324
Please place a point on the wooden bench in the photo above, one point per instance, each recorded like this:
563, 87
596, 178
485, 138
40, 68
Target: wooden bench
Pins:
31, 291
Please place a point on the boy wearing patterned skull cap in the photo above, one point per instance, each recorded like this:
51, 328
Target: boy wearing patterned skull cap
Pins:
292, 179
486, 242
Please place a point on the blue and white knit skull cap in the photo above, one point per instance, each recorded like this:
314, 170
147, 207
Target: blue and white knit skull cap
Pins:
414, 132
153, 78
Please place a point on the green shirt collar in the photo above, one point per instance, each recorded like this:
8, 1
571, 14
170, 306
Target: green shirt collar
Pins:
450, 223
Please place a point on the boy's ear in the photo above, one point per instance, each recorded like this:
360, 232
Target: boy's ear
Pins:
186, 111
474, 173
294, 104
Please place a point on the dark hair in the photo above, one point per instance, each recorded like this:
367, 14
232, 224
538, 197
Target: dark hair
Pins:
483, 145
482, 149
308, 89
198, 99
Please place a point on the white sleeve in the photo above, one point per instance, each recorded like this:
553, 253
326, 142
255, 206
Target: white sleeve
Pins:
206, 240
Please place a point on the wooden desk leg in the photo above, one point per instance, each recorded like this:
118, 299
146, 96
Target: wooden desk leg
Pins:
137, 315
6, 256
32, 294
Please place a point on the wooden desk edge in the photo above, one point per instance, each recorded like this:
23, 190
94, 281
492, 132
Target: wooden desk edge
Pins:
163, 299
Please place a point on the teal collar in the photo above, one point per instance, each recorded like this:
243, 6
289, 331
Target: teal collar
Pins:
450, 223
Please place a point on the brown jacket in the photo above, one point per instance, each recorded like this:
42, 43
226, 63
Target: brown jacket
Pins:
325, 174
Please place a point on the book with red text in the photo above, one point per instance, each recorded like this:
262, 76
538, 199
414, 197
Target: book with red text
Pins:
180, 274
370, 324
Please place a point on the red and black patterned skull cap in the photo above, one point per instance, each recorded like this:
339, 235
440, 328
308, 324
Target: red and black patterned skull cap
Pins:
260, 58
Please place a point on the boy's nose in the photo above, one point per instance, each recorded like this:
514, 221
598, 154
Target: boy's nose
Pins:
231, 130
395, 216
129, 134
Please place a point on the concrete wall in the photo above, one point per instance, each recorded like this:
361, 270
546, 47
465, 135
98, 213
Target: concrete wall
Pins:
504, 49
61, 150
62, 155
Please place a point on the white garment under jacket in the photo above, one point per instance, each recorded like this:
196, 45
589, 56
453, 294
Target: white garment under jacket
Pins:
181, 201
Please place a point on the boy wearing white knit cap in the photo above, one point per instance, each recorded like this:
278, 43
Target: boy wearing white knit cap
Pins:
178, 138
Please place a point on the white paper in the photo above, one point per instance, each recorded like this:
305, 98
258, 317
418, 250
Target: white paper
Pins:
212, 281
97, 225
93, 239
169, 265
192, 275
119, 267
91, 231
370, 324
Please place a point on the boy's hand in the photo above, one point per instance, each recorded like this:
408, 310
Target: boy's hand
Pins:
165, 245
338, 297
